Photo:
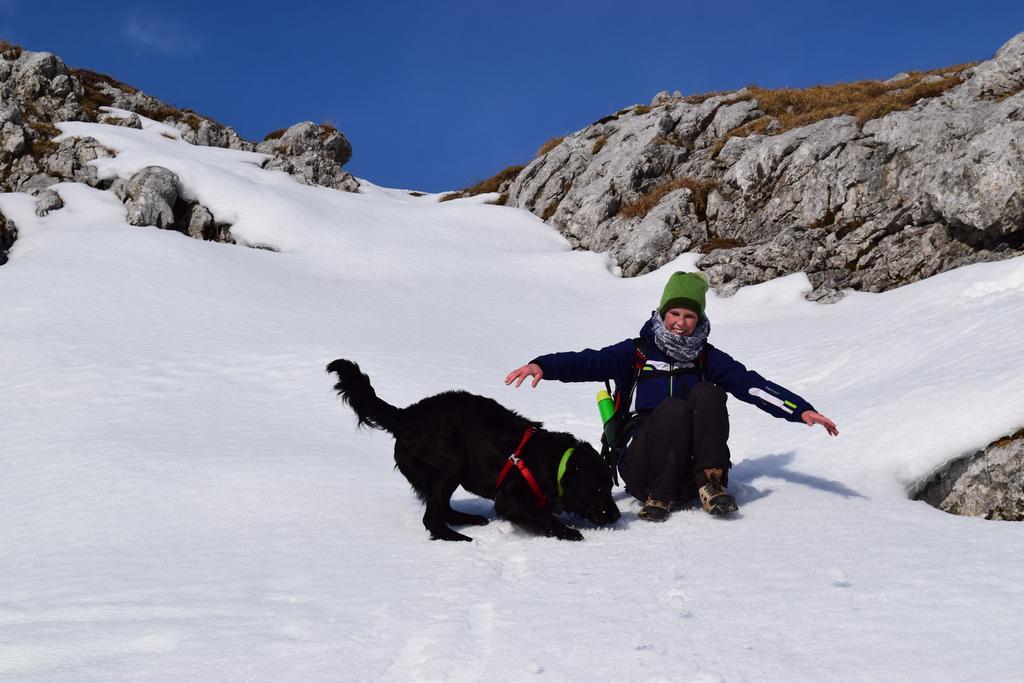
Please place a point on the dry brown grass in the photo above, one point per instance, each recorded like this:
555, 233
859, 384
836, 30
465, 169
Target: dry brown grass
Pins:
191, 119
673, 139
9, 51
699, 190
158, 111
605, 119
697, 99
492, 184
194, 119
42, 145
641, 109
45, 130
864, 100
94, 79
95, 97
41, 148
1008, 439
326, 130
274, 134
549, 145
598, 145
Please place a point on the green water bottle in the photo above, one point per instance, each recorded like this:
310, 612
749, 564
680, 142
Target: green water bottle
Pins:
605, 405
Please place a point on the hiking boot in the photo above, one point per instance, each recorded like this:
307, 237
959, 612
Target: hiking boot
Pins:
713, 497
654, 510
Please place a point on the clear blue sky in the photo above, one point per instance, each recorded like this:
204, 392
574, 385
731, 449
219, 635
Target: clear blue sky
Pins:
437, 95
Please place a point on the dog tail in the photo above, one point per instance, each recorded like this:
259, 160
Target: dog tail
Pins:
355, 389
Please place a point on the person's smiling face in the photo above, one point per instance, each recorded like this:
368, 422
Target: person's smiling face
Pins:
681, 321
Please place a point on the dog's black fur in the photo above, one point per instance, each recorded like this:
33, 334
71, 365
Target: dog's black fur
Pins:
458, 438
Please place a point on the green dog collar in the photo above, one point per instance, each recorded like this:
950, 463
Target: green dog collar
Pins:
561, 469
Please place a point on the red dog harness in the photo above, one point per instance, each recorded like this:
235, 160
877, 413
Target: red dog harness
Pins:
514, 459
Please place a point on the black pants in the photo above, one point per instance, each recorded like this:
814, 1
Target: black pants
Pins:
676, 442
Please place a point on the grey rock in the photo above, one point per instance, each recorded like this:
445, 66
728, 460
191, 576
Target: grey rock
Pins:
132, 121
47, 201
149, 196
40, 181
198, 222
200, 131
988, 483
9, 111
41, 83
12, 139
867, 206
1001, 76
15, 172
313, 154
70, 162
665, 97
8, 234
221, 232
153, 196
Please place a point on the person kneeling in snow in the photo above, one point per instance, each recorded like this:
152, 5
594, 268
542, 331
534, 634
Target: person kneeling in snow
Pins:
674, 445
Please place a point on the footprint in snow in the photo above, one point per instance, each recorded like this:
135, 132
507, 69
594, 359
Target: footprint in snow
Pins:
839, 577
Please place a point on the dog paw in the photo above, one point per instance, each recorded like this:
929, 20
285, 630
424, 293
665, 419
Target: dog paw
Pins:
568, 534
448, 535
456, 517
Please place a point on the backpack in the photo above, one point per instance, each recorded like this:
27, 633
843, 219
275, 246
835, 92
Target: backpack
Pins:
622, 398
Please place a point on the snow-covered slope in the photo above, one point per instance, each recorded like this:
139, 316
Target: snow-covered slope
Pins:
183, 497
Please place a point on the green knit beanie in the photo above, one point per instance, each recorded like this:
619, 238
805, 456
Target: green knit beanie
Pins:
684, 290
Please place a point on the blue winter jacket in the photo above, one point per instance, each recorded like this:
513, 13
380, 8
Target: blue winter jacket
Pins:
615, 363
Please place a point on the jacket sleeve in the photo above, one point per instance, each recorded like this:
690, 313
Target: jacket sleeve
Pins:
589, 365
750, 387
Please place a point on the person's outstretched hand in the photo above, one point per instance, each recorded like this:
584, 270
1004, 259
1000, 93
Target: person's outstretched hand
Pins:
811, 418
528, 370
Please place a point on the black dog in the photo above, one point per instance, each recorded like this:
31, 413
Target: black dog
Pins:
460, 438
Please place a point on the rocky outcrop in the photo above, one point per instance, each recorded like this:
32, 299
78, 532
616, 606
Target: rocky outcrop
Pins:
196, 221
43, 84
312, 153
149, 196
989, 483
112, 119
8, 233
38, 90
46, 201
869, 200
70, 161
152, 196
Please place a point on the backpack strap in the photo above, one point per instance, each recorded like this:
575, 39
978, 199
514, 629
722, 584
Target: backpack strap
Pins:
639, 360
623, 399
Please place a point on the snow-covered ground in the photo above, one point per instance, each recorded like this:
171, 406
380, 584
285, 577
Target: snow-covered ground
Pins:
184, 498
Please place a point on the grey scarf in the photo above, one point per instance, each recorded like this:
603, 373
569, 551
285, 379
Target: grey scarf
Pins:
677, 347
